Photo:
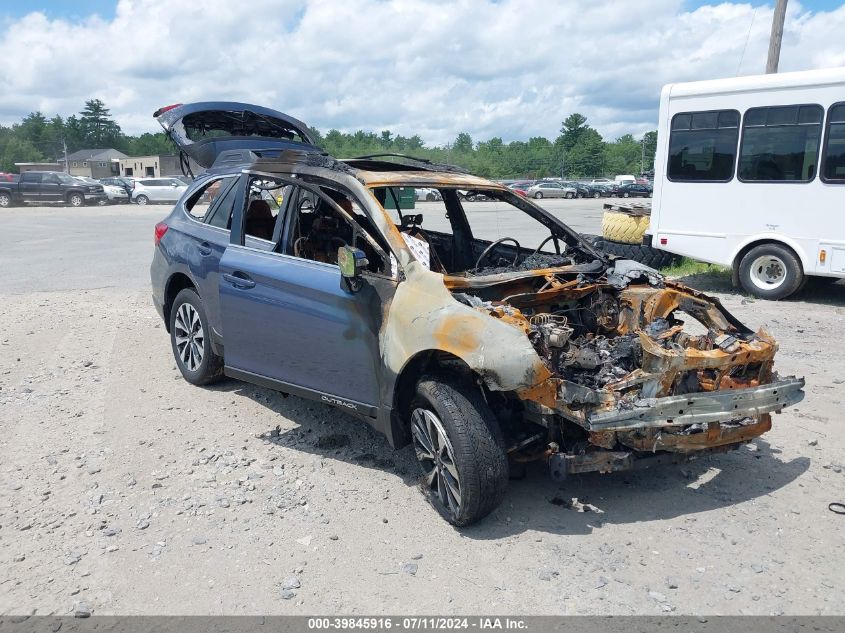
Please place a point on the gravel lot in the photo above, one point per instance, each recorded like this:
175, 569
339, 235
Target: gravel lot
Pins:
125, 490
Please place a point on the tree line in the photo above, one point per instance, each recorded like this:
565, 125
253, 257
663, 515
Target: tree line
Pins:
578, 151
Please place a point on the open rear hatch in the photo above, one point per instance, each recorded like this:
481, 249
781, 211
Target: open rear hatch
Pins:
204, 130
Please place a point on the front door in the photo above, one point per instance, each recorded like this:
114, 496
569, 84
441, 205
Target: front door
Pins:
289, 322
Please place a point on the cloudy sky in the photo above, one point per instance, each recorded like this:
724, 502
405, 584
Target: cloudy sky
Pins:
508, 68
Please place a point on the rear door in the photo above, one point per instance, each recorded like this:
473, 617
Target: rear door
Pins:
208, 213
30, 186
205, 130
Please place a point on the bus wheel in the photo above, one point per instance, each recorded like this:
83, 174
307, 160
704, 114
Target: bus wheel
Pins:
771, 271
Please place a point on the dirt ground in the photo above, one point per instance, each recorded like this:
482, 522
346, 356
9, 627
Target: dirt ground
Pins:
125, 490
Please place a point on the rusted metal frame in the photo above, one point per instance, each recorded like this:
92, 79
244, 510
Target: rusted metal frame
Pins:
716, 435
714, 406
562, 464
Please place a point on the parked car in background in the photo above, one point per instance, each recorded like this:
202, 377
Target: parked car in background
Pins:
127, 183
424, 194
581, 190
634, 191
49, 186
545, 189
625, 179
158, 190
114, 194
521, 184
596, 191
601, 181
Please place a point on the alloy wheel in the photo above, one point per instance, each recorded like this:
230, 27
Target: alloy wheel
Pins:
189, 336
437, 458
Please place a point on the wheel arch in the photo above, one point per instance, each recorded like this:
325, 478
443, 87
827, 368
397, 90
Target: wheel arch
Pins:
760, 240
426, 362
176, 283
72, 192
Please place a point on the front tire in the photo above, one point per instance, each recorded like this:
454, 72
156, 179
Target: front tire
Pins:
142, 200
190, 339
568, 196
460, 449
626, 195
76, 200
771, 271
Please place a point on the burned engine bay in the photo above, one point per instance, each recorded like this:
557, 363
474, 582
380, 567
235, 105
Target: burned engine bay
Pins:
638, 364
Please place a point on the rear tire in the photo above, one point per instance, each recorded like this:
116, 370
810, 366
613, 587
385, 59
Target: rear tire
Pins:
771, 271
5, 200
142, 200
460, 449
538, 195
568, 196
190, 339
76, 200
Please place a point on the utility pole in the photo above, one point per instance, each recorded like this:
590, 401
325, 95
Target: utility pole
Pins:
64, 146
776, 37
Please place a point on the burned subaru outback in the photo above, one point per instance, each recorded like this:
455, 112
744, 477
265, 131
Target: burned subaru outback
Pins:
476, 326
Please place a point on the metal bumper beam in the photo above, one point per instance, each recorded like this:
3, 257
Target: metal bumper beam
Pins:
712, 406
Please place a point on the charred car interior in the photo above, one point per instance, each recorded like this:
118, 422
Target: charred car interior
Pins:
484, 336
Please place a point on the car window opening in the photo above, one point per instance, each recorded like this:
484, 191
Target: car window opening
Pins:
477, 232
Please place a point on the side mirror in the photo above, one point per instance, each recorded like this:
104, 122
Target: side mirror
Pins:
352, 262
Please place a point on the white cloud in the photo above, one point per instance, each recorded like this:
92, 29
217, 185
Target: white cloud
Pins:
512, 68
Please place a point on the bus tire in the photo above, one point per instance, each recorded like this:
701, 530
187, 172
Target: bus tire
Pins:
652, 257
623, 227
771, 271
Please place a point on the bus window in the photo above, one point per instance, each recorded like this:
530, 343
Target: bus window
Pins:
702, 146
780, 144
833, 162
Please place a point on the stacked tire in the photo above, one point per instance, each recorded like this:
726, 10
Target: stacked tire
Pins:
638, 252
622, 235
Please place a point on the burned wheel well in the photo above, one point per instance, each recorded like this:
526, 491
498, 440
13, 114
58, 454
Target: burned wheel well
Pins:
175, 285
431, 362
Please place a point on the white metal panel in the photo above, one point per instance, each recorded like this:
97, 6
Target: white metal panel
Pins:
714, 221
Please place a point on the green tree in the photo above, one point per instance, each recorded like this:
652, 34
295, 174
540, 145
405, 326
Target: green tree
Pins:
462, 144
650, 149
18, 150
572, 128
96, 125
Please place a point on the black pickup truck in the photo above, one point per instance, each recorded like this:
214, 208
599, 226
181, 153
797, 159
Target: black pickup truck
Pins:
49, 186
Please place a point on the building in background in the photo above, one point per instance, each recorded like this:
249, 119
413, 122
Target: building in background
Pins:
150, 166
94, 163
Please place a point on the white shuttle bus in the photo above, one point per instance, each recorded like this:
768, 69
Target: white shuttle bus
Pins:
750, 174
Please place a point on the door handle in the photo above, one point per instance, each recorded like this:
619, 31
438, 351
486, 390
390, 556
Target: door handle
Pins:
239, 280
204, 248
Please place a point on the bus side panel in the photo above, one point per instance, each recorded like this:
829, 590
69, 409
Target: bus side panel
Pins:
712, 222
